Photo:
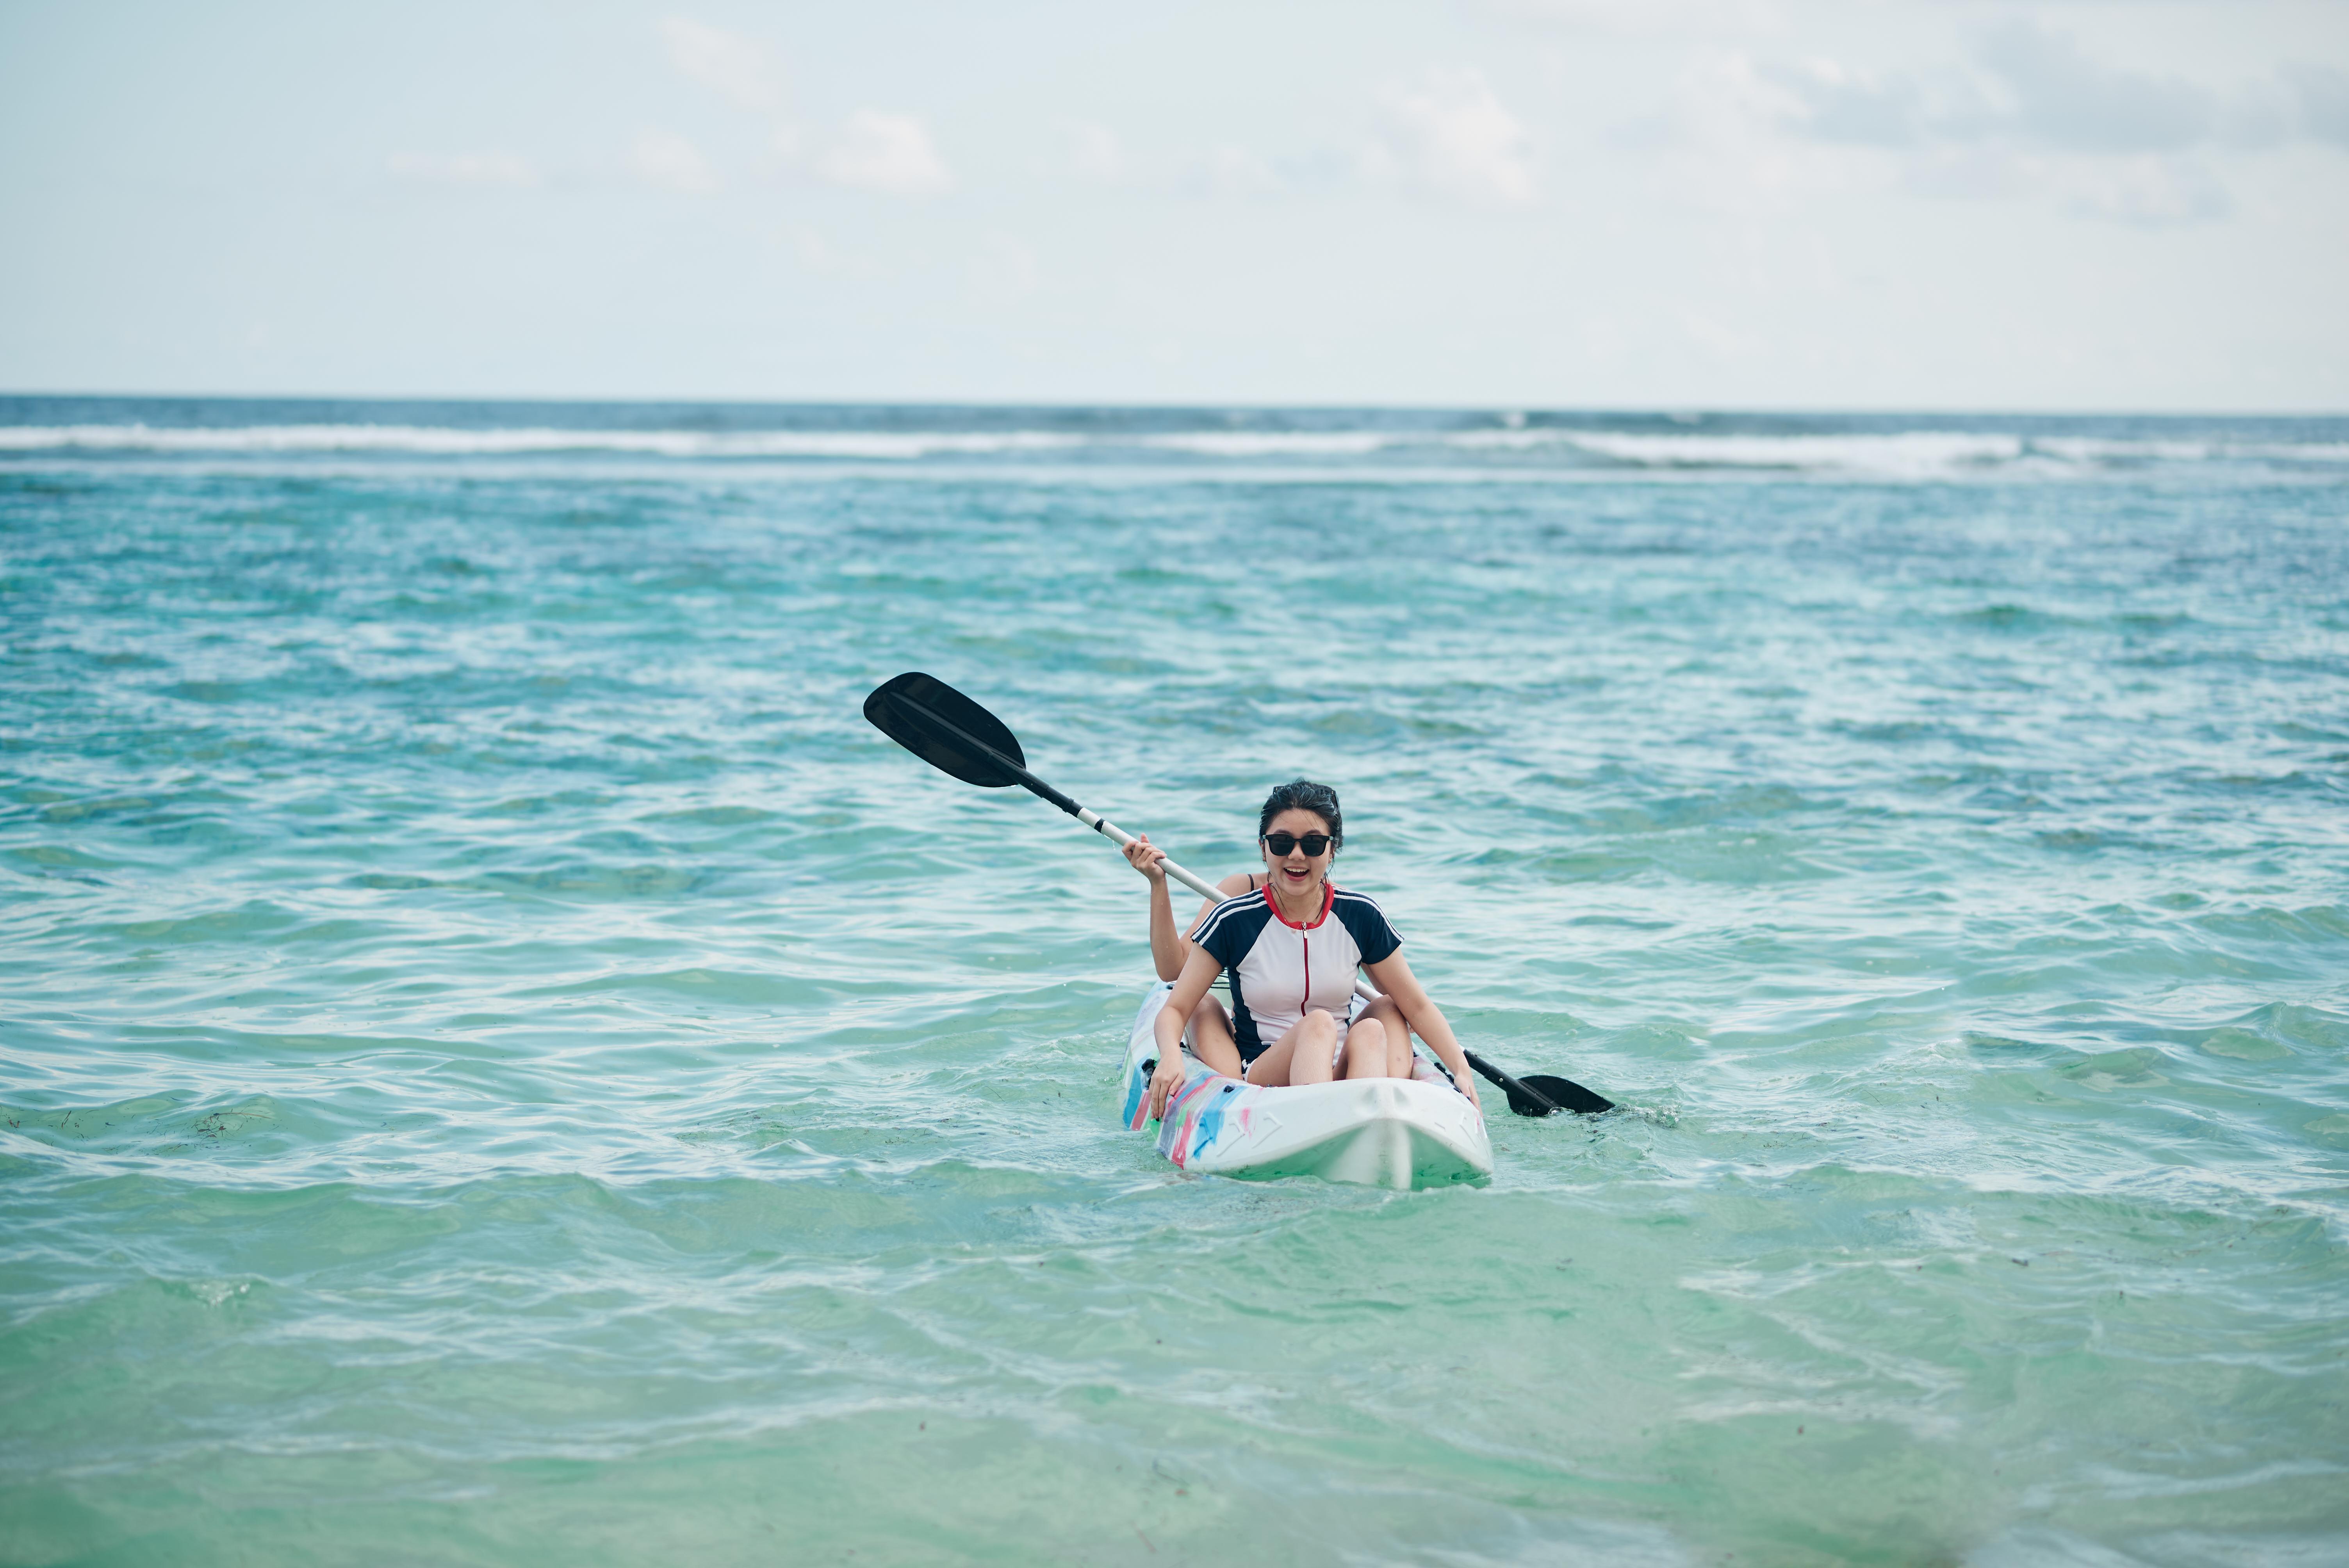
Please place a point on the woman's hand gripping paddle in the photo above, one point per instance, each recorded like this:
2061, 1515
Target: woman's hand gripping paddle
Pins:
955, 735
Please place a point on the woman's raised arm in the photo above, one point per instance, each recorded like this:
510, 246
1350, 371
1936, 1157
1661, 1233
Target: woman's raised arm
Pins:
1168, 947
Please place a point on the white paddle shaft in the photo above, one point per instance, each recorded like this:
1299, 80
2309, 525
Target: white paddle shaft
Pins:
1199, 884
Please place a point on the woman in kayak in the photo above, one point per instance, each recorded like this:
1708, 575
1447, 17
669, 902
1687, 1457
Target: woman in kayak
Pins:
1291, 942
1209, 1037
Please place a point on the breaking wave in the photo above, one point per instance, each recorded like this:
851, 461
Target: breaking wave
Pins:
1863, 447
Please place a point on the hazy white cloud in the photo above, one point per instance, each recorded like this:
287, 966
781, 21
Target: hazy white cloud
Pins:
1718, 338
737, 69
1708, 17
1005, 266
2029, 114
1726, 145
1231, 169
1093, 150
1829, 101
2323, 101
2061, 98
669, 160
2148, 189
890, 153
2034, 89
507, 169
810, 250
1453, 137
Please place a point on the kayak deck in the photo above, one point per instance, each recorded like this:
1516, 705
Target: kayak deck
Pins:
1382, 1132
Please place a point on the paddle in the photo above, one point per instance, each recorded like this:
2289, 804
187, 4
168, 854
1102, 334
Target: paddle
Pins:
956, 736
1541, 1093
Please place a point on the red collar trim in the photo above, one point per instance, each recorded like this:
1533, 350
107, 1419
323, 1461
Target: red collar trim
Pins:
1329, 897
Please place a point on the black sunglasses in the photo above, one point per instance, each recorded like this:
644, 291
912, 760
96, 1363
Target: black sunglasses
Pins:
1281, 843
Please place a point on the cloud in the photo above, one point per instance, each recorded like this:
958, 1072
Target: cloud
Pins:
737, 69
668, 161
1699, 17
2034, 91
1094, 151
1830, 102
1724, 143
2032, 113
889, 153
496, 168
1006, 267
2323, 95
813, 252
2148, 191
1452, 137
1231, 169
1723, 342
2062, 99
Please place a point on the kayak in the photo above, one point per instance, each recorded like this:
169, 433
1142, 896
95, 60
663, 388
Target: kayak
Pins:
1418, 1131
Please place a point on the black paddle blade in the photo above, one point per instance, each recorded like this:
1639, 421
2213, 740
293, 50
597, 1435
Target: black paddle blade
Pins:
946, 729
1542, 1095
1525, 1104
1564, 1093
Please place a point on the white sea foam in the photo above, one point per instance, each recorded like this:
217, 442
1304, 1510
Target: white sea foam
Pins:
1906, 455
2099, 450
1282, 443
2291, 452
1914, 454
1920, 455
440, 441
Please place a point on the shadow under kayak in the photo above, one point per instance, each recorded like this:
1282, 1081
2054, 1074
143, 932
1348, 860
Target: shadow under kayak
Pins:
1382, 1132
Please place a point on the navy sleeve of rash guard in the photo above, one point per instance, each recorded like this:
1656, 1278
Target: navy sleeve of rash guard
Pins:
1226, 933
1367, 923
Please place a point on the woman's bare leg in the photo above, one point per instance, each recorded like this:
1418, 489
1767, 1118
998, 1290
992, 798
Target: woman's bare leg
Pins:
1303, 1055
1211, 1038
1367, 1049
1398, 1035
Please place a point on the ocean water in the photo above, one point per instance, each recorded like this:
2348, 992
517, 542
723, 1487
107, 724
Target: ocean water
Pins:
500, 1064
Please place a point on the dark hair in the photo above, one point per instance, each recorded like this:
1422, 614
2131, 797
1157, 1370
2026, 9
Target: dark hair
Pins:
1304, 795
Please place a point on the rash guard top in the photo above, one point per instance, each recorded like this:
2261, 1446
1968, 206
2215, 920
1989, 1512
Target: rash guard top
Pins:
1280, 971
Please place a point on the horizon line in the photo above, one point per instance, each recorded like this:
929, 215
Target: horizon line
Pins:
1661, 410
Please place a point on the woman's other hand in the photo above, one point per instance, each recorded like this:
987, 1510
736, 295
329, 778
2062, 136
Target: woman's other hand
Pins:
1165, 1082
1146, 857
1465, 1081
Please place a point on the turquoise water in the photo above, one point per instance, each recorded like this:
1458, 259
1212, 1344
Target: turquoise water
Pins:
502, 1065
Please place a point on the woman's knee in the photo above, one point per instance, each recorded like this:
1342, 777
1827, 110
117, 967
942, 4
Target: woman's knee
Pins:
1312, 1049
1389, 1017
1367, 1051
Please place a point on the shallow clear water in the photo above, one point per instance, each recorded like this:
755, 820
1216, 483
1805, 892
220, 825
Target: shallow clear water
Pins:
501, 1063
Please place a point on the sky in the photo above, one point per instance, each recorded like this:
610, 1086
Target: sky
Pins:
1845, 204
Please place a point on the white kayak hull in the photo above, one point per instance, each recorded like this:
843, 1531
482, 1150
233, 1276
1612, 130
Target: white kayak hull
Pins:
1382, 1132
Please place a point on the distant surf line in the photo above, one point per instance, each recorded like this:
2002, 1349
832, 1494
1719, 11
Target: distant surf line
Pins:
1919, 455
